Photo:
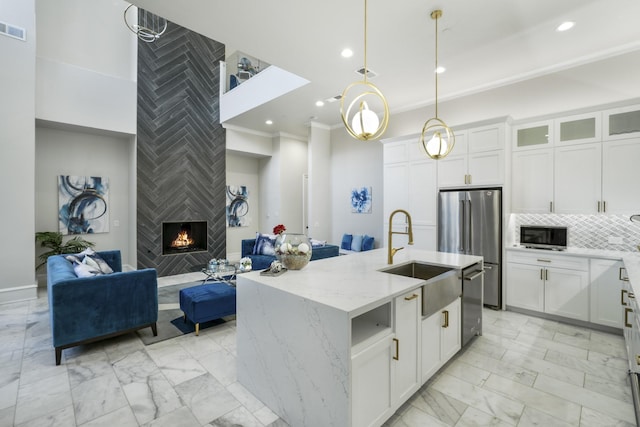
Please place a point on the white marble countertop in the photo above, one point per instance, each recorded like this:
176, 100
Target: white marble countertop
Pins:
352, 283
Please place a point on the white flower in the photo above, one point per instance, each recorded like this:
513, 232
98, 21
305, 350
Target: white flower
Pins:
303, 248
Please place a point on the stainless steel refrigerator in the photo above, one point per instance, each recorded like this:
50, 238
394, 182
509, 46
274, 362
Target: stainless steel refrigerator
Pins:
470, 222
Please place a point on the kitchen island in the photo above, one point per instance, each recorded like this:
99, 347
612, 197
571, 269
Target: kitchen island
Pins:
340, 343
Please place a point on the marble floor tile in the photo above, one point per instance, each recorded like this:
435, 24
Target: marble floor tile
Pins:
565, 374
206, 397
523, 371
482, 399
587, 398
546, 403
473, 417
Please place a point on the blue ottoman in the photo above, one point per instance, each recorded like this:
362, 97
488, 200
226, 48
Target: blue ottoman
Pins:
207, 302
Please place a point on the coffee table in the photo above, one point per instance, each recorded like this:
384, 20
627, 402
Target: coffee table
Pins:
226, 274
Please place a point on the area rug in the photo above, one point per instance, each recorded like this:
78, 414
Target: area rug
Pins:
171, 321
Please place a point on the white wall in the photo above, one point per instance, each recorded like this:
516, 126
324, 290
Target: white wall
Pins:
355, 164
319, 215
293, 165
74, 152
17, 142
243, 170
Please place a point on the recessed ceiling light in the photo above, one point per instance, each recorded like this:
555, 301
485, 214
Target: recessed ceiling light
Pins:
565, 26
347, 53
269, 122
440, 69
319, 103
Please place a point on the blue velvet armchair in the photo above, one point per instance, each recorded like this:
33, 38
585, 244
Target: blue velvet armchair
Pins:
84, 310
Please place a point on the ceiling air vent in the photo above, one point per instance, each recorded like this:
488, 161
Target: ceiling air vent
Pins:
370, 73
333, 98
13, 31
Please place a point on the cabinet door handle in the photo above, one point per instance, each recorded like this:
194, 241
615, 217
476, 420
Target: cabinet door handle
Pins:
622, 292
397, 356
446, 318
604, 206
546, 274
637, 359
598, 205
469, 178
543, 260
626, 317
541, 274
625, 278
550, 206
414, 296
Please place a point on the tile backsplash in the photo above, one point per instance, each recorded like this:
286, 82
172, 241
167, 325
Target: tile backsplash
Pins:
584, 231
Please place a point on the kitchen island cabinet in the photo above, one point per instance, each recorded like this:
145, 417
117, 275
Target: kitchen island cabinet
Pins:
319, 346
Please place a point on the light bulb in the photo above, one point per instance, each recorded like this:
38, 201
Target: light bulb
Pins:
437, 146
365, 118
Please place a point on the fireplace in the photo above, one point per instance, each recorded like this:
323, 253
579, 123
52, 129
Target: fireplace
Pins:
184, 237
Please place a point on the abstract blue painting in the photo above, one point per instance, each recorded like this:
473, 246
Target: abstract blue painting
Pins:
361, 200
83, 204
237, 205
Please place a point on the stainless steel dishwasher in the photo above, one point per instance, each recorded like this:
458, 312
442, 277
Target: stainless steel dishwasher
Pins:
472, 291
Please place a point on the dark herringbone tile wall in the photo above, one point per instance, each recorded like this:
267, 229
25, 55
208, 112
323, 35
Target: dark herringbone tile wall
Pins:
180, 147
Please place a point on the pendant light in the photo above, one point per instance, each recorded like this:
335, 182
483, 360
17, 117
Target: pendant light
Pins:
361, 121
437, 139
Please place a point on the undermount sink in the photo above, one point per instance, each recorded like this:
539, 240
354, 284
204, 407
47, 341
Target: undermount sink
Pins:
442, 284
417, 270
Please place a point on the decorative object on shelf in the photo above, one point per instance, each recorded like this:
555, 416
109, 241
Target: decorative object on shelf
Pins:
364, 124
361, 200
437, 139
149, 27
293, 250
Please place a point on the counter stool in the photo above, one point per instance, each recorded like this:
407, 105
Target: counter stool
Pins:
207, 302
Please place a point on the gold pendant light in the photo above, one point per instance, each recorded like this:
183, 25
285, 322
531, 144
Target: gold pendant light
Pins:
360, 121
437, 139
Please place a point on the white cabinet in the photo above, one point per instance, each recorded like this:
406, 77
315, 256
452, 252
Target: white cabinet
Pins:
531, 136
578, 129
621, 123
441, 338
532, 181
621, 175
410, 184
551, 284
578, 179
479, 160
385, 365
406, 362
606, 292
371, 384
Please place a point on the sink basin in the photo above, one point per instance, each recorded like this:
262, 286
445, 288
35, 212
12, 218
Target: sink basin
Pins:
417, 270
442, 284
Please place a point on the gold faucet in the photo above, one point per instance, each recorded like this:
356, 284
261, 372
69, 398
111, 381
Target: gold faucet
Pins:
392, 250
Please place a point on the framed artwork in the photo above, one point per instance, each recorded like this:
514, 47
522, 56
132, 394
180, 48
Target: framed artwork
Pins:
83, 204
361, 200
237, 205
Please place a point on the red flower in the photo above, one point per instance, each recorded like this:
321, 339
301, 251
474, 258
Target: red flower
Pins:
279, 229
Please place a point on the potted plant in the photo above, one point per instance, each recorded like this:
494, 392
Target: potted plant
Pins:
53, 241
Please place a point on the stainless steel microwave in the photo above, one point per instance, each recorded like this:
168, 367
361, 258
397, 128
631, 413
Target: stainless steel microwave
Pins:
543, 237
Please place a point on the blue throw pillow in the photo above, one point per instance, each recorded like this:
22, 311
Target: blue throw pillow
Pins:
265, 245
356, 243
346, 242
367, 243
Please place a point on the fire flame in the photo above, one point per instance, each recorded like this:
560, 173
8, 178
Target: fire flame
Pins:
182, 240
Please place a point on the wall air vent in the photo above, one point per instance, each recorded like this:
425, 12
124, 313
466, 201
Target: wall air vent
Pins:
370, 73
333, 99
13, 31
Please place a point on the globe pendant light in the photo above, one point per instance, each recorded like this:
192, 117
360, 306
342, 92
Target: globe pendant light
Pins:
360, 121
437, 139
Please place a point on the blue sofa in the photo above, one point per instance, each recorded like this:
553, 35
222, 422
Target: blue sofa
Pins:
84, 310
261, 262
